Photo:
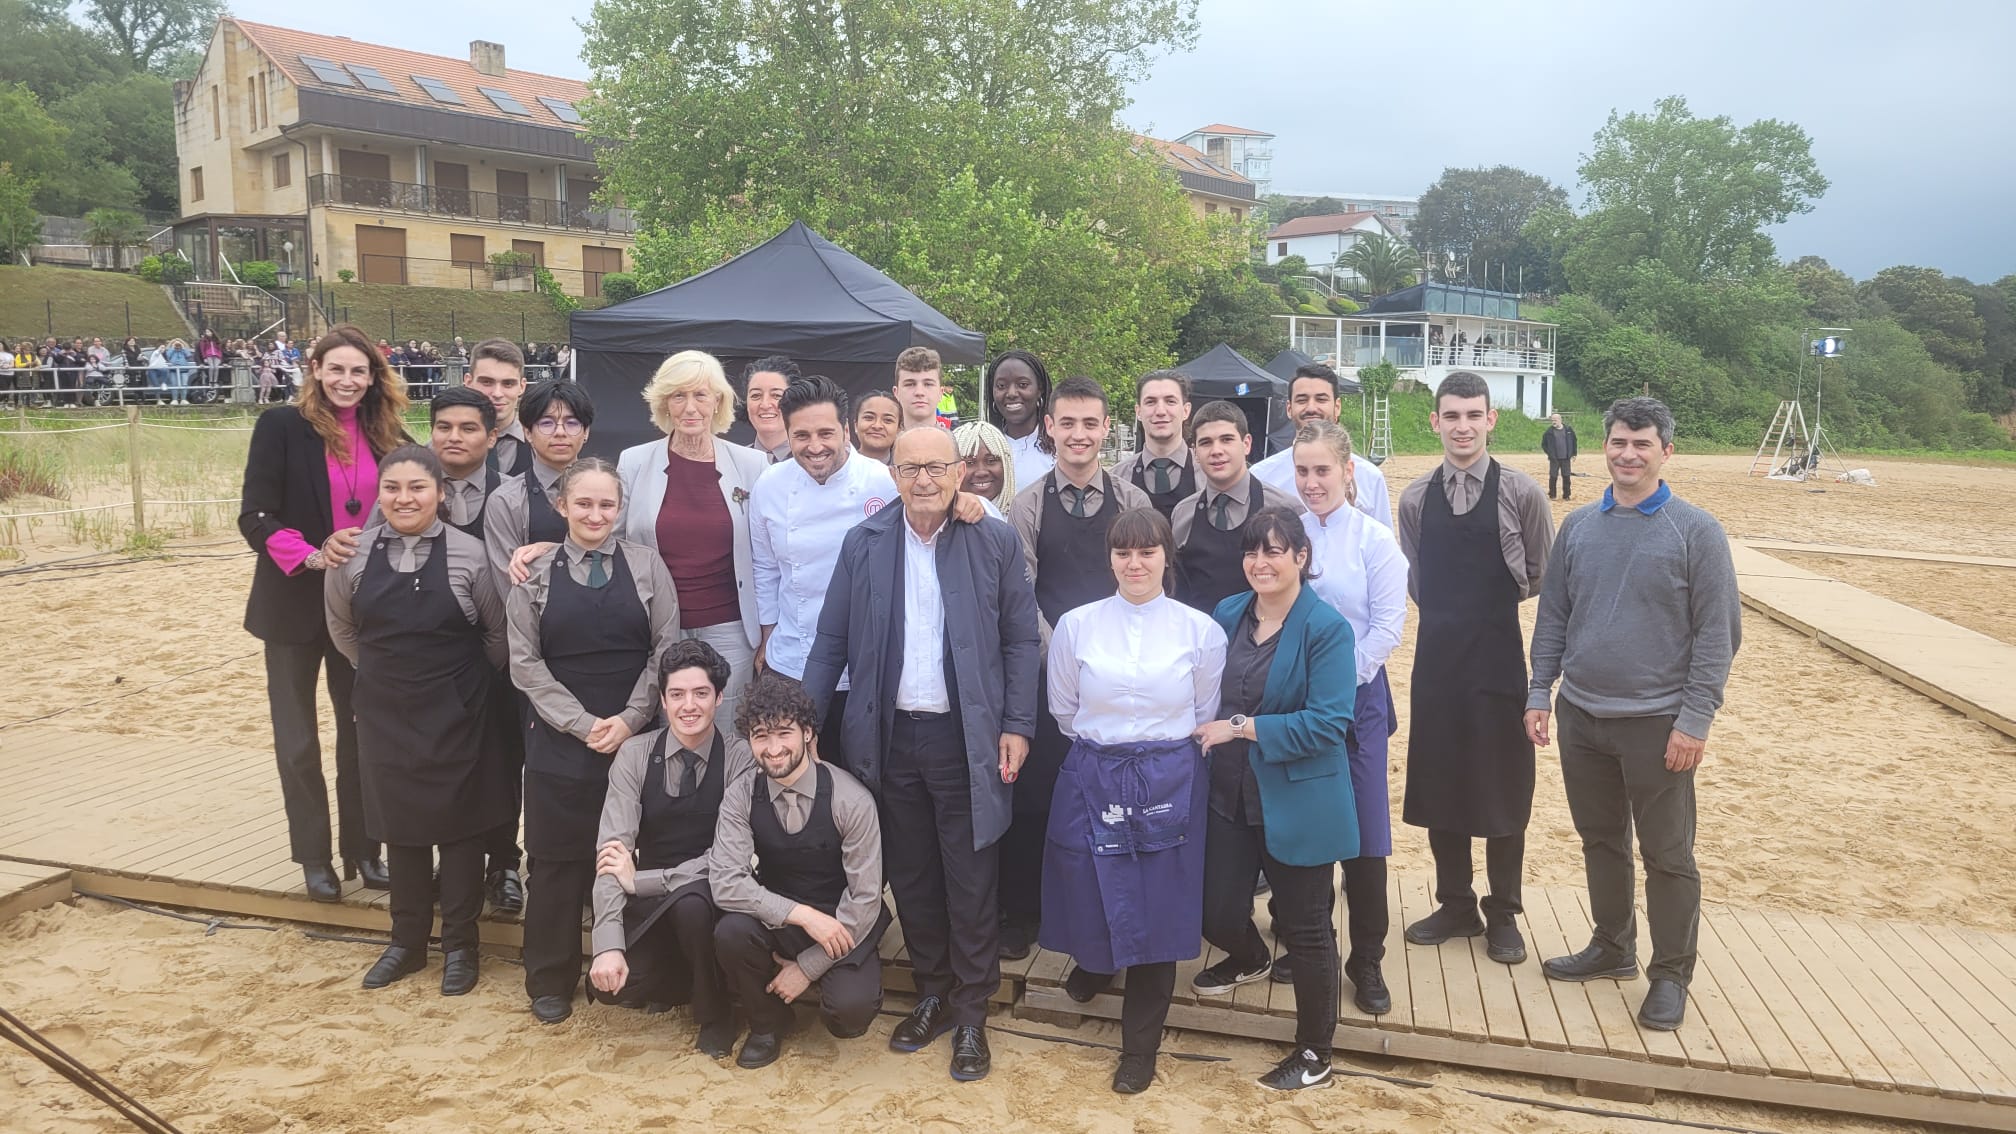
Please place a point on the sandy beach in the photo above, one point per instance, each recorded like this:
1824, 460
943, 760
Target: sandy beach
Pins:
1827, 787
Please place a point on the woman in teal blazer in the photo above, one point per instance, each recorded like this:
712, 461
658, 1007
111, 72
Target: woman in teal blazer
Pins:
1280, 799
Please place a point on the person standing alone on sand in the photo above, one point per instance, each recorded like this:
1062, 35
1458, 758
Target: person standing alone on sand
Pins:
1559, 445
1640, 619
1476, 535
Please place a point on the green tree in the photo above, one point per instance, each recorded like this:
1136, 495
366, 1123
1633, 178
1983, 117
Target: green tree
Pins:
43, 50
1478, 216
20, 224
1828, 292
1692, 193
1232, 306
1383, 263
1997, 388
1938, 309
150, 34
115, 229
126, 125
1280, 210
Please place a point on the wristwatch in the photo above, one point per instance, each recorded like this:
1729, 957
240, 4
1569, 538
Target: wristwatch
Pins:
1239, 723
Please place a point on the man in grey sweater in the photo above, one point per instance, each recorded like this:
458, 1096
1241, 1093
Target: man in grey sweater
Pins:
1639, 619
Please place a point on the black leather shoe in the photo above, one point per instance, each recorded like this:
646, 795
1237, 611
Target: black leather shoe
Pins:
1134, 1074
761, 1049
1504, 943
970, 1058
1444, 923
1665, 1006
394, 964
505, 891
1368, 988
1082, 985
552, 1009
458, 972
716, 1040
373, 870
1592, 963
320, 878
925, 1023
1016, 940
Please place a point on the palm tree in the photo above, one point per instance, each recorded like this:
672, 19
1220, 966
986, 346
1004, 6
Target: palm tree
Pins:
1381, 262
116, 229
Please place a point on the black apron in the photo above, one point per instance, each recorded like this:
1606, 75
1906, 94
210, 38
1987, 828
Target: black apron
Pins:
543, 522
594, 642
521, 459
474, 527
805, 867
1165, 502
1469, 762
1211, 568
671, 831
424, 687
1079, 571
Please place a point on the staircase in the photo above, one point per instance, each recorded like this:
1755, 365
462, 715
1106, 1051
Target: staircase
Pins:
234, 311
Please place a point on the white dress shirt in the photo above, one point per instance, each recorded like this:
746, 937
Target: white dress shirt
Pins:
1373, 499
922, 685
1360, 571
1122, 672
1031, 464
795, 528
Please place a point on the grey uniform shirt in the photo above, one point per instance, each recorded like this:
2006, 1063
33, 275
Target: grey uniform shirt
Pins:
468, 581
733, 879
1026, 512
505, 527
1185, 514
1525, 525
509, 437
525, 604
623, 812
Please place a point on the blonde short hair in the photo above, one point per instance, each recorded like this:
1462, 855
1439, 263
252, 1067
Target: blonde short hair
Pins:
683, 371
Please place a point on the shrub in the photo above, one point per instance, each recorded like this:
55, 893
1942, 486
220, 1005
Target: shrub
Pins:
149, 269
1343, 305
509, 264
1379, 378
619, 286
1310, 309
345, 275
176, 270
260, 273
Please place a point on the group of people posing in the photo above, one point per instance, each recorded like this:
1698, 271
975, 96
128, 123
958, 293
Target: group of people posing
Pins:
739, 691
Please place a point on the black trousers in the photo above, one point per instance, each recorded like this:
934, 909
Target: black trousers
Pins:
1504, 861
1144, 1003
1304, 906
297, 746
554, 895
1365, 909
677, 952
412, 870
500, 846
830, 748
944, 889
850, 993
1558, 471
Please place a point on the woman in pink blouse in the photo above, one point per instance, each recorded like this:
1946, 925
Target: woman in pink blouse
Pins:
309, 479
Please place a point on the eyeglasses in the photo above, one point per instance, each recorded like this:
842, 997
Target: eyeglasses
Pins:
570, 427
936, 469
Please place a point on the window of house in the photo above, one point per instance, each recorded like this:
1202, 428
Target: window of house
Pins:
216, 113
265, 110
252, 102
1210, 206
1238, 214
1281, 248
283, 170
196, 183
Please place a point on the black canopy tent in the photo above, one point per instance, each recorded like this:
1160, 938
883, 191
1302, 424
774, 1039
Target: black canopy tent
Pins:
1283, 366
1223, 374
796, 294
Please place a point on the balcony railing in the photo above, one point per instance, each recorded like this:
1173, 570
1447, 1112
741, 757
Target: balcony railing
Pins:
404, 197
1409, 354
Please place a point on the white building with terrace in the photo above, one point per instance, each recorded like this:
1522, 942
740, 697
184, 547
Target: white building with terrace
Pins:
1429, 331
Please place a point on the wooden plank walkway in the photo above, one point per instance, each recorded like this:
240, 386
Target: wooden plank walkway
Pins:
1835, 549
1890, 1020
1958, 667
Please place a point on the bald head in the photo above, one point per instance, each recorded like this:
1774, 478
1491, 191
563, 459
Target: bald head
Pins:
928, 471
923, 444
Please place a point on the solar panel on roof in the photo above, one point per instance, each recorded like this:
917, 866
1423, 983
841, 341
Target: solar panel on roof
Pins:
372, 80
328, 72
561, 108
505, 102
440, 91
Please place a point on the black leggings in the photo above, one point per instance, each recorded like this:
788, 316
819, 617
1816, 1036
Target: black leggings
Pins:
1144, 1006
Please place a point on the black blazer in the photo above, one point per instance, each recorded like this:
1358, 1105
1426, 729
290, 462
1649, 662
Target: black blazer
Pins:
287, 486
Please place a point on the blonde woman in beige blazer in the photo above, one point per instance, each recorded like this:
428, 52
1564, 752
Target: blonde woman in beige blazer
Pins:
688, 497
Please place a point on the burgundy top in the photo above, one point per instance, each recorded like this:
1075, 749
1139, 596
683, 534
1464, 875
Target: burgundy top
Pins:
696, 539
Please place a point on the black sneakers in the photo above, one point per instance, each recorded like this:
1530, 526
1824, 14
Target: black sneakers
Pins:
1227, 975
1302, 1069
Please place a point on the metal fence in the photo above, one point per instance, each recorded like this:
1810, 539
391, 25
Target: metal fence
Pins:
471, 275
433, 200
238, 382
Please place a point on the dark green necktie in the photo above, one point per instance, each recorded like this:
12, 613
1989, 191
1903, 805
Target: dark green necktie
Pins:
1164, 469
1221, 513
689, 773
1074, 498
597, 577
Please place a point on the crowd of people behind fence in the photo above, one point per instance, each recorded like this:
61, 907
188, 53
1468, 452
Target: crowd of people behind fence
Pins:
67, 373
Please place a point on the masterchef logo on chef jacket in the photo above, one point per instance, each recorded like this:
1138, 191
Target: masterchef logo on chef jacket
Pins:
873, 506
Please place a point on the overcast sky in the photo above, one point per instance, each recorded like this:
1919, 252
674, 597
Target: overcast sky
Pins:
1908, 117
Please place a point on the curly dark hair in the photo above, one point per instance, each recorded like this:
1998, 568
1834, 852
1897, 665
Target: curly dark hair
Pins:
773, 700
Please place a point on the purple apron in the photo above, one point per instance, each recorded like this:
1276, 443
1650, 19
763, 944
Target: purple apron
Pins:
1123, 860
1371, 726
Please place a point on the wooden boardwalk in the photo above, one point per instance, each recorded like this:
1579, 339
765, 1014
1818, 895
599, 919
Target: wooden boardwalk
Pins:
1835, 549
1960, 668
1890, 1020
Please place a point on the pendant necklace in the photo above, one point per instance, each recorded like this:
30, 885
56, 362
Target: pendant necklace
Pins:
351, 505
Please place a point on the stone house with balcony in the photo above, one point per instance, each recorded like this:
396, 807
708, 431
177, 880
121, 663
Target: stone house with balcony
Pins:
323, 154
1211, 189
1248, 153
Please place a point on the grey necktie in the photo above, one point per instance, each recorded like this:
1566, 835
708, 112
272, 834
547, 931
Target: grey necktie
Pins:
1459, 491
1074, 500
791, 812
1221, 513
689, 772
406, 556
465, 501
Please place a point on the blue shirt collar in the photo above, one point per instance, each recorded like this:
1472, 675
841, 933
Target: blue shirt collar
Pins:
1647, 506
